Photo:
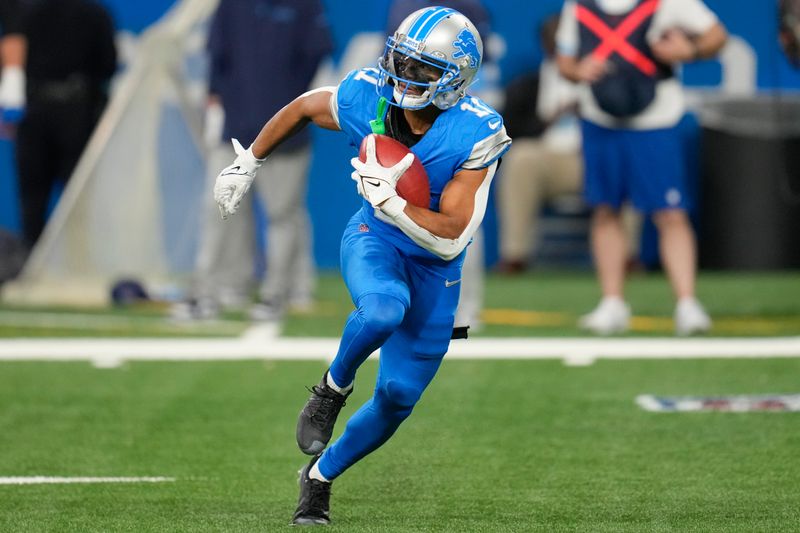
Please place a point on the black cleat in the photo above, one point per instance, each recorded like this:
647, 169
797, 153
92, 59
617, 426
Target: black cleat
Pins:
313, 506
316, 421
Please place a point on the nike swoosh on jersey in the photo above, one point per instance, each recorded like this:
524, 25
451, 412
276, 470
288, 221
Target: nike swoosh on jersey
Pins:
494, 125
374, 183
448, 283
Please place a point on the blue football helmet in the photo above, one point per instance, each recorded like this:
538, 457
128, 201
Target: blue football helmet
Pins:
431, 58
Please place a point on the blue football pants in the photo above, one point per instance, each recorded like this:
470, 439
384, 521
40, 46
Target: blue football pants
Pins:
405, 306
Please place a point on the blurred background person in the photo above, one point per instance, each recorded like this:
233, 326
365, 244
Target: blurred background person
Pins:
12, 104
789, 29
470, 305
70, 57
262, 54
12, 58
623, 53
544, 161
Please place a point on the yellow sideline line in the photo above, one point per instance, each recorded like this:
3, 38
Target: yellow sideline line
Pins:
497, 316
514, 317
108, 322
731, 325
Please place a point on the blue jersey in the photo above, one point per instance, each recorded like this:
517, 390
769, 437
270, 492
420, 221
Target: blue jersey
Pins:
468, 136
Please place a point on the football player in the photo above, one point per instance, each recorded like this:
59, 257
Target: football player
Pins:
401, 263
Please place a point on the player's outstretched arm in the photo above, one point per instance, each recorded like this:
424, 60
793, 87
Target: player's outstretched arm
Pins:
313, 106
461, 211
234, 181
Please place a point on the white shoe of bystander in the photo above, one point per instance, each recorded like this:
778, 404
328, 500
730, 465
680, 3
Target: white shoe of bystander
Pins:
612, 315
690, 317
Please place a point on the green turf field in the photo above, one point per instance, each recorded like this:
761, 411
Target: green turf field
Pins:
549, 304
537, 304
493, 446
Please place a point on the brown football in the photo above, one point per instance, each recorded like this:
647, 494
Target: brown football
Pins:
413, 185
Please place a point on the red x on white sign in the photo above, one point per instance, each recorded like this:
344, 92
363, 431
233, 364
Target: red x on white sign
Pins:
615, 40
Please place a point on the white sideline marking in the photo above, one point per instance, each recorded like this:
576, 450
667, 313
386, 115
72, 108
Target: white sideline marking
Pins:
39, 480
261, 332
107, 362
574, 351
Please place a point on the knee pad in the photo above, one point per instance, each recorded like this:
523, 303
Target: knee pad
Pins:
381, 313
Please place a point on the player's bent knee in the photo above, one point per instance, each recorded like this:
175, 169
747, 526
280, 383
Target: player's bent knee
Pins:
399, 395
381, 313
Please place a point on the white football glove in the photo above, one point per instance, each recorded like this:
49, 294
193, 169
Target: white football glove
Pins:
375, 182
234, 181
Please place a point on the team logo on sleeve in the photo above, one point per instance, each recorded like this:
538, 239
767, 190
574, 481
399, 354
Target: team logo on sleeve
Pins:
467, 47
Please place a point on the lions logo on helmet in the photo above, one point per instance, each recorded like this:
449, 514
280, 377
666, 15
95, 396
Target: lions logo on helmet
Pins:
431, 59
467, 47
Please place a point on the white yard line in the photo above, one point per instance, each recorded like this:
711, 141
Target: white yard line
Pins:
40, 480
574, 351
